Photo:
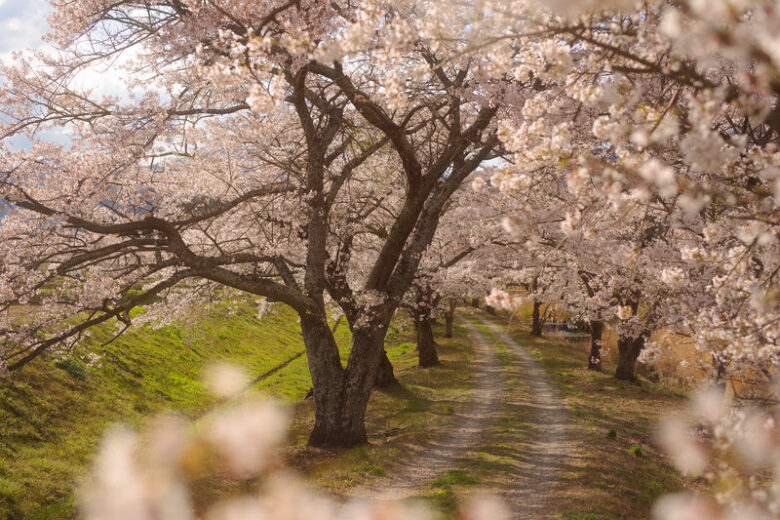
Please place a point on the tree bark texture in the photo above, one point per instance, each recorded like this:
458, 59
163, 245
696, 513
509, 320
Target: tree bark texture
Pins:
596, 334
536, 319
385, 377
426, 345
341, 395
449, 318
629, 348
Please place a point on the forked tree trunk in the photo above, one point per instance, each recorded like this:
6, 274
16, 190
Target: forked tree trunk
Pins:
384, 375
536, 319
426, 346
596, 334
449, 318
340, 395
629, 348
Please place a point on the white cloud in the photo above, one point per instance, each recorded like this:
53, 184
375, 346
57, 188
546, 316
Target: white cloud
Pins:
22, 23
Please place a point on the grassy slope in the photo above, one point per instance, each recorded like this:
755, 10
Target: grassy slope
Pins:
53, 414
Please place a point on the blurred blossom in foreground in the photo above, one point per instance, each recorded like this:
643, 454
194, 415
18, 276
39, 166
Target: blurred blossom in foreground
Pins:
159, 474
225, 380
736, 450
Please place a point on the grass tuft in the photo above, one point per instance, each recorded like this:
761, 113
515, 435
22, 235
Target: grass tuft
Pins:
637, 451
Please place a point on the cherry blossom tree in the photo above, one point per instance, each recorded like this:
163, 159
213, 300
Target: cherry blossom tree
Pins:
465, 258
673, 105
251, 151
661, 103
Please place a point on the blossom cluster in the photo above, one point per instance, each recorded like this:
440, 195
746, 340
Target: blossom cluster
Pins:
162, 473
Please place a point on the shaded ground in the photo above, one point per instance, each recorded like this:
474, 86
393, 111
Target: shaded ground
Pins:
401, 421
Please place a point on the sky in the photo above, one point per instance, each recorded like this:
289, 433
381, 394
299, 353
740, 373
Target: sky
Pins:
22, 23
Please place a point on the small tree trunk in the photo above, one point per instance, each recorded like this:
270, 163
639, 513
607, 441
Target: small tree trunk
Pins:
629, 348
384, 375
475, 302
536, 320
449, 325
596, 333
426, 346
449, 318
719, 368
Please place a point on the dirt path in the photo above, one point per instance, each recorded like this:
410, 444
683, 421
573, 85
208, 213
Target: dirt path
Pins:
439, 455
547, 445
539, 455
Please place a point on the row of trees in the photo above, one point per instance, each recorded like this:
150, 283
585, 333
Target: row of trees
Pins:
252, 155
646, 172
363, 156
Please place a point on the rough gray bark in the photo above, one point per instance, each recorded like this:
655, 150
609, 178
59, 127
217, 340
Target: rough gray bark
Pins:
385, 377
629, 348
341, 395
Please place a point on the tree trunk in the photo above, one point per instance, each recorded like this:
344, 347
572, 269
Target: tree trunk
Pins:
596, 333
536, 320
718, 380
449, 318
340, 395
475, 302
426, 346
629, 348
384, 375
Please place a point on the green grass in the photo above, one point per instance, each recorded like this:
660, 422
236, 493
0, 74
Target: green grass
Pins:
53, 413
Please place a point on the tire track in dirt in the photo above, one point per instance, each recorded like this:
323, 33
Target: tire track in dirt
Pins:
547, 446
407, 477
